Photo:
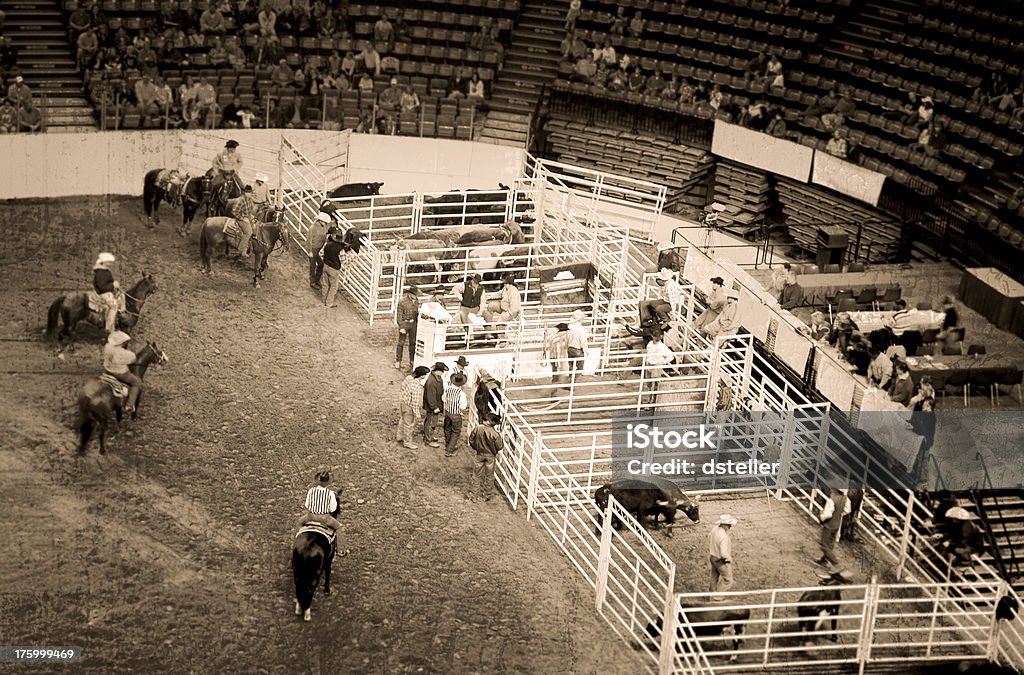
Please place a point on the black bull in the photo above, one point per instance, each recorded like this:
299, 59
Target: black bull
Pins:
721, 617
651, 496
355, 190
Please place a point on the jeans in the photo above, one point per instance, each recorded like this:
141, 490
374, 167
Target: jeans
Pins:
828, 543
316, 270
134, 385
576, 357
452, 433
410, 335
721, 574
431, 421
485, 473
333, 284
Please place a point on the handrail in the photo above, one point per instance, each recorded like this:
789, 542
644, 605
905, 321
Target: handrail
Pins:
979, 503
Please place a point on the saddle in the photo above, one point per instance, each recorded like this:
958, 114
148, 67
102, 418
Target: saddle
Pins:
232, 232
118, 388
171, 181
327, 532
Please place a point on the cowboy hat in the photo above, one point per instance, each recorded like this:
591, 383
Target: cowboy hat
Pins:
248, 188
664, 274
732, 294
462, 361
726, 519
718, 280
324, 476
231, 144
420, 371
118, 338
665, 245
562, 327
959, 513
440, 365
578, 315
323, 217
104, 258
458, 379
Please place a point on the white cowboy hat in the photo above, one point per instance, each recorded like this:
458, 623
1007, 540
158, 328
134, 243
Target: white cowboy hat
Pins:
105, 258
323, 217
578, 315
959, 513
260, 178
664, 275
732, 294
118, 338
665, 245
726, 519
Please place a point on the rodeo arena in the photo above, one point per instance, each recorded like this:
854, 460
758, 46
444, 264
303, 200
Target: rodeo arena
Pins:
607, 384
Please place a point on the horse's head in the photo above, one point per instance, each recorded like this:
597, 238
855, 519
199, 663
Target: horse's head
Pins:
150, 355
144, 288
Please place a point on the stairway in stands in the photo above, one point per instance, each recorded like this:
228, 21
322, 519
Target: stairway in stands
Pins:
1002, 513
37, 29
530, 63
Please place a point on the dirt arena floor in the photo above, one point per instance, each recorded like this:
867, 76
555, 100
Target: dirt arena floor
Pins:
171, 553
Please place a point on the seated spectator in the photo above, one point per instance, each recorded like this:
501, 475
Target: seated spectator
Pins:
924, 113
211, 21
908, 111
655, 83
230, 118
146, 95
755, 68
475, 89
837, 146
605, 53
715, 98
636, 80
348, 65
931, 140
19, 93
728, 321
401, 30
618, 80
278, 115
456, 86
87, 44
625, 62
236, 56
618, 25
858, 355
269, 50
218, 55
585, 69
370, 59
282, 74
187, 97
391, 98
902, 388
334, 64
842, 332
30, 117
383, 31
773, 72
880, 370
164, 96
205, 104
686, 92
410, 101
819, 328
365, 84
755, 116
333, 115
8, 118
637, 25
300, 15
824, 104
843, 107
8, 55
390, 64
777, 126
925, 390
671, 89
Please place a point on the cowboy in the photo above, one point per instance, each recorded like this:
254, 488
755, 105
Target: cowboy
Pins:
409, 404
433, 403
487, 443
470, 294
669, 300
556, 351
505, 304
242, 210
106, 288
456, 407
226, 164
837, 505
116, 360
720, 553
321, 228
321, 502
716, 303
407, 317
332, 254
261, 192
577, 341
963, 539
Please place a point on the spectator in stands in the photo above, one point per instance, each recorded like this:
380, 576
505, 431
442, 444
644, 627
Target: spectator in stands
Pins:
218, 55
164, 96
391, 97
837, 145
908, 111
585, 69
792, 295
773, 73
88, 45
755, 68
755, 116
390, 64
245, 17
211, 21
925, 390
475, 89
30, 117
383, 31
671, 89
902, 388
637, 25
843, 107
655, 83
205, 104
410, 101
618, 80
8, 118
19, 93
777, 126
187, 97
370, 59
932, 139
456, 86
269, 50
266, 18
146, 95
282, 74
636, 80
401, 29
715, 98
365, 84
8, 55
716, 301
600, 78
334, 64
572, 15
348, 65
619, 22
80, 20
842, 332
574, 48
300, 16
728, 321
236, 56
819, 327
605, 53
880, 370
230, 118
686, 92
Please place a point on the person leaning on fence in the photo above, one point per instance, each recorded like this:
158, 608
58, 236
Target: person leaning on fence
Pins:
409, 403
837, 505
669, 301
319, 230
407, 317
433, 403
487, 443
332, 256
456, 405
728, 321
577, 342
720, 554
716, 303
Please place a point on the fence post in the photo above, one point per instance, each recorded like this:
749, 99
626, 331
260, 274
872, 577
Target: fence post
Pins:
905, 538
531, 489
375, 272
867, 625
993, 635
670, 616
604, 555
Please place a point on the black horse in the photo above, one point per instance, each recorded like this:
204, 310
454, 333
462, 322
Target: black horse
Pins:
189, 191
265, 241
97, 402
312, 555
75, 307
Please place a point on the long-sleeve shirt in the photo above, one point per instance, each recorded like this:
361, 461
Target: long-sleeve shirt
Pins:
260, 193
321, 501
433, 392
486, 440
577, 336
902, 389
880, 370
408, 311
412, 392
332, 254
659, 354
829, 510
116, 359
791, 296
556, 346
509, 298
471, 295
727, 321
455, 401
103, 280
227, 161
720, 544
673, 294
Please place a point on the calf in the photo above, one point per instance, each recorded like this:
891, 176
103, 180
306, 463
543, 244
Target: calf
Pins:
700, 614
643, 498
819, 605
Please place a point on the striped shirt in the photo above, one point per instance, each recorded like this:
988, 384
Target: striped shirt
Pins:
455, 402
412, 392
321, 501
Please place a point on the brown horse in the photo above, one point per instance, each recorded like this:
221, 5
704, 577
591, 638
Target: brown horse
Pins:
162, 185
265, 239
74, 308
97, 402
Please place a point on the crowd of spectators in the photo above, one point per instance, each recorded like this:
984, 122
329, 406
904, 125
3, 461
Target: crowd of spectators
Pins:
18, 109
242, 36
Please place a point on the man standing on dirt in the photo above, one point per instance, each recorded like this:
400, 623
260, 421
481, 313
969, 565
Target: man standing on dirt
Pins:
720, 554
332, 254
487, 442
836, 506
456, 405
407, 318
410, 401
321, 228
433, 403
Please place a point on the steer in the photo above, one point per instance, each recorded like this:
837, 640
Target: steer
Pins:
817, 606
643, 498
700, 614
356, 190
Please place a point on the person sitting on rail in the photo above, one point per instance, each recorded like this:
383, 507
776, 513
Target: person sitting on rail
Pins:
960, 539
321, 504
227, 164
716, 303
106, 288
669, 300
504, 305
116, 360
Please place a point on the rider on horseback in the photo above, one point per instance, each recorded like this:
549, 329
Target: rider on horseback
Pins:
226, 165
116, 360
106, 288
321, 503
243, 211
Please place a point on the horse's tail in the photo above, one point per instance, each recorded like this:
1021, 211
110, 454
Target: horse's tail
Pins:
149, 190
53, 316
307, 562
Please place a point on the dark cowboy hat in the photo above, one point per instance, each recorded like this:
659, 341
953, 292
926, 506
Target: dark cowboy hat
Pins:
324, 476
420, 371
458, 379
718, 280
248, 188
231, 144
440, 365
462, 361
562, 327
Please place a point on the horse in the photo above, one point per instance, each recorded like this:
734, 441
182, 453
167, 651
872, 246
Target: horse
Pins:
264, 242
191, 194
705, 614
312, 555
217, 198
97, 400
74, 308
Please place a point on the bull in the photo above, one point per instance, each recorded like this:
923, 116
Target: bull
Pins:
738, 617
355, 190
644, 498
822, 604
